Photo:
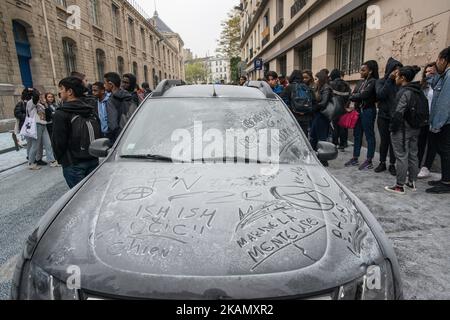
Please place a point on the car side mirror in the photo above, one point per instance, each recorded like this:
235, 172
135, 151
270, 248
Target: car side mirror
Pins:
326, 151
99, 148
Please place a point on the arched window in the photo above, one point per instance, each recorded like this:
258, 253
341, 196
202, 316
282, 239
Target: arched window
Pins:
101, 61
165, 75
155, 78
145, 74
120, 66
70, 55
135, 69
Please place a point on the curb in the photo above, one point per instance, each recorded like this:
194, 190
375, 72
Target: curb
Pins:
13, 167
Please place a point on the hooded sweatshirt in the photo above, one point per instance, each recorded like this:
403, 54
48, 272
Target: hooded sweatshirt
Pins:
62, 130
119, 110
387, 91
407, 97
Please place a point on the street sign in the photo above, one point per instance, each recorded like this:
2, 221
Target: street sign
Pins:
258, 64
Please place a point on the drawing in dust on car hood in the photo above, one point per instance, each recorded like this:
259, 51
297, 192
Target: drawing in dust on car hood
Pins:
160, 230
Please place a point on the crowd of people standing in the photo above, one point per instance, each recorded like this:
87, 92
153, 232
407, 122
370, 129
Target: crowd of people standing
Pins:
64, 125
413, 117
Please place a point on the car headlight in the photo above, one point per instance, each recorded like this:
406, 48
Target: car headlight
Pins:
376, 284
36, 284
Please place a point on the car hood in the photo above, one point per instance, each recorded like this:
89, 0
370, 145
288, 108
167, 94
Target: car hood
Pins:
158, 230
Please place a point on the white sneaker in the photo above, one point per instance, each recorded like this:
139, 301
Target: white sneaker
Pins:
424, 173
55, 164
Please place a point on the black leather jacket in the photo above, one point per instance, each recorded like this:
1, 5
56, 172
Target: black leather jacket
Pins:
365, 95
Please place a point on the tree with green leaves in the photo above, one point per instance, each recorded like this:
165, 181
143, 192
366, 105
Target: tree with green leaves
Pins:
196, 72
230, 41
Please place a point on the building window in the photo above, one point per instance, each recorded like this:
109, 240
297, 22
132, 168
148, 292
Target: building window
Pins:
131, 32
283, 65
135, 69
120, 66
158, 51
152, 48
144, 46
145, 74
70, 57
62, 3
350, 39
305, 56
116, 21
101, 60
155, 78
94, 12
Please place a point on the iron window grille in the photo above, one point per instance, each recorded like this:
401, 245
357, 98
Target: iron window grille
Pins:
298, 6
278, 26
70, 57
305, 57
350, 45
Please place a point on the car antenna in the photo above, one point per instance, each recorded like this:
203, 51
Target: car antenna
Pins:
214, 92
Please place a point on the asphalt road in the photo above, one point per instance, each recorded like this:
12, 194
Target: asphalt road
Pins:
418, 224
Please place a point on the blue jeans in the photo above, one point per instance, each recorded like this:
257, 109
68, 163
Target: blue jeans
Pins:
319, 129
43, 139
365, 126
76, 173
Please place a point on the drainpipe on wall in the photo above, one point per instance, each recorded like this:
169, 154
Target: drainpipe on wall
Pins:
52, 60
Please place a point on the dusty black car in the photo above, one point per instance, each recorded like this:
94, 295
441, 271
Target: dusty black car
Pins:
158, 220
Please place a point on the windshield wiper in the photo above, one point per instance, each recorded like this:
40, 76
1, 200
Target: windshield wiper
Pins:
227, 159
155, 157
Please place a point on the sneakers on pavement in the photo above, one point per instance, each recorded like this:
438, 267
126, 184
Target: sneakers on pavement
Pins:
41, 163
424, 173
393, 170
352, 163
34, 167
381, 167
55, 164
412, 186
396, 189
434, 183
441, 188
367, 165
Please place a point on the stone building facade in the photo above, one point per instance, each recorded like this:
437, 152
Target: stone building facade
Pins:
219, 69
42, 41
316, 34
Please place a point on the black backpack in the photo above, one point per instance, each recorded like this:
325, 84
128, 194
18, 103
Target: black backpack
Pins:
85, 129
417, 114
301, 98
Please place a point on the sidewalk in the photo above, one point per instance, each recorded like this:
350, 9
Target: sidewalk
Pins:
9, 157
6, 142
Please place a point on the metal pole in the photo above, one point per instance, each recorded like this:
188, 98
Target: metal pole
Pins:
52, 60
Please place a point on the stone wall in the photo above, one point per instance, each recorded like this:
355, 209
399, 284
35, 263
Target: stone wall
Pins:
87, 39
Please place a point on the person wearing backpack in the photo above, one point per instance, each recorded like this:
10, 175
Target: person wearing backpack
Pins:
120, 106
387, 90
410, 115
342, 91
299, 97
440, 121
75, 126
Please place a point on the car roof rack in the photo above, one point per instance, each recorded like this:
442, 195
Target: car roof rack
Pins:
263, 87
166, 85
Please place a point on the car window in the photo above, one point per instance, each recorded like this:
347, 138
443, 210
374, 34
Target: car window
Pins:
214, 128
